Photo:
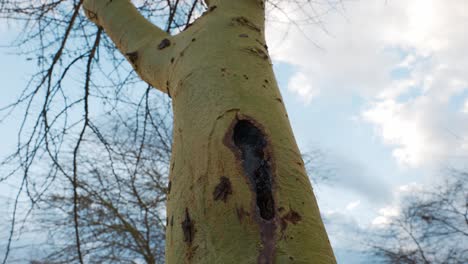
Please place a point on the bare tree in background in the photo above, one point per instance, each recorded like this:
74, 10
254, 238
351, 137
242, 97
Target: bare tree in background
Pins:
318, 168
432, 226
81, 82
121, 198
81, 79
121, 194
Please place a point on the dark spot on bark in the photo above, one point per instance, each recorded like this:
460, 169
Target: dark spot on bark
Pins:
223, 189
90, 14
262, 44
172, 221
292, 217
164, 44
181, 53
172, 60
168, 90
194, 39
188, 227
169, 185
291, 258
241, 213
266, 81
132, 56
262, 4
242, 21
283, 225
252, 143
223, 69
280, 209
257, 52
243, 36
246, 77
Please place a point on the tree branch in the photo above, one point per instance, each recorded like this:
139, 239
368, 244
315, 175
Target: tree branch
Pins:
127, 28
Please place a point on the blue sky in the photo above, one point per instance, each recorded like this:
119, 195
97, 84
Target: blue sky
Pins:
380, 87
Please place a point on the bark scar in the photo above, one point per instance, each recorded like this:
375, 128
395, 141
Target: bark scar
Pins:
242, 21
292, 217
188, 227
251, 147
251, 143
164, 44
257, 52
132, 56
223, 189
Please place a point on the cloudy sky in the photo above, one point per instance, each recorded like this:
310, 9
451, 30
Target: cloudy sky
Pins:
379, 87
397, 66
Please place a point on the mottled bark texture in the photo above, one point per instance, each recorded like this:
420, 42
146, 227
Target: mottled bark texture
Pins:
239, 191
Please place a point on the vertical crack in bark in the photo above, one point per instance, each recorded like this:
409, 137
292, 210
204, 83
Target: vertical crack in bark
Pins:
252, 144
223, 189
188, 227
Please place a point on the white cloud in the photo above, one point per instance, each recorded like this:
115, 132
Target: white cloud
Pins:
385, 215
398, 127
343, 173
465, 107
410, 188
407, 62
353, 205
407, 58
342, 55
421, 131
300, 85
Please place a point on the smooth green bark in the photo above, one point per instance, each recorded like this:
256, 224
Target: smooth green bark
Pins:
218, 73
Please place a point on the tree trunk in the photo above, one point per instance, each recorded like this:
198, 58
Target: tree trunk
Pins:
238, 190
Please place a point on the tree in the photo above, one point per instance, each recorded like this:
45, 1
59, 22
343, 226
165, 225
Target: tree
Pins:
238, 190
121, 200
432, 226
